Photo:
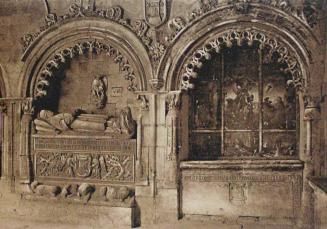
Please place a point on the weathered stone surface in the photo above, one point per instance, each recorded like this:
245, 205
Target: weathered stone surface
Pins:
111, 109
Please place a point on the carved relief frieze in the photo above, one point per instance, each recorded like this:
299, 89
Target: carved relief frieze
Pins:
94, 166
227, 39
61, 57
83, 192
83, 144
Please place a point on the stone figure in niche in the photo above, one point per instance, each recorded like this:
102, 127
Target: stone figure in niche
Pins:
98, 91
122, 124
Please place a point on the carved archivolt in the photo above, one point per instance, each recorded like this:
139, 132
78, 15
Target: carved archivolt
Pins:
226, 39
62, 57
115, 13
301, 16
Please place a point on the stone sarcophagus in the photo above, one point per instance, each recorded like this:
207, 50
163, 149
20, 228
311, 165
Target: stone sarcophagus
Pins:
95, 159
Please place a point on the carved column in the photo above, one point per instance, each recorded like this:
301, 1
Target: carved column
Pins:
25, 156
172, 124
140, 173
4, 166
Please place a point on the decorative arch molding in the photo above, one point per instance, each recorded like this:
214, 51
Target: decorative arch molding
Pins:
248, 36
76, 11
187, 35
65, 55
76, 37
296, 21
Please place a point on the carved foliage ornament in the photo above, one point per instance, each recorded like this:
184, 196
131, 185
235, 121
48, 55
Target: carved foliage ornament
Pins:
60, 58
230, 37
115, 13
105, 167
27, 106
307, 12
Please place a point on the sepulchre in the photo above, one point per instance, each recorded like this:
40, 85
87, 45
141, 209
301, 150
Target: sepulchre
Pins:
159, 111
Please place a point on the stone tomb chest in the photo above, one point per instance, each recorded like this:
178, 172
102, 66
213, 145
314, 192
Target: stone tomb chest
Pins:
93, 159
83, 141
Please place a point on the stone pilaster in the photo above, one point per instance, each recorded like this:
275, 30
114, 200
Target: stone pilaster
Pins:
172, 124
25, 155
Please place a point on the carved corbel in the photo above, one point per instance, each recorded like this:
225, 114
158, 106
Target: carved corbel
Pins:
156, 84
312, 108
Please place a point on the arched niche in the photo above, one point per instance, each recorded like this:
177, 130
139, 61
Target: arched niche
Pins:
199, 44
59, 59
54, 40
186, 36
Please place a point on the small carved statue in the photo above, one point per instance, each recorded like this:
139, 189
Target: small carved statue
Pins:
99, 91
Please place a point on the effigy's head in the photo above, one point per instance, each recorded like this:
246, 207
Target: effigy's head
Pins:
45, 114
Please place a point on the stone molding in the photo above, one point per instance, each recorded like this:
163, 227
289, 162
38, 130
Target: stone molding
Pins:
60, 58
76, 11
306, 14
249, 36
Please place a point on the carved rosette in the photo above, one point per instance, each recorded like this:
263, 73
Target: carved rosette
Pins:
227, 39
63, 56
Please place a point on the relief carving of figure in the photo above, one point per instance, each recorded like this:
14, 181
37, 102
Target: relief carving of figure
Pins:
99, 91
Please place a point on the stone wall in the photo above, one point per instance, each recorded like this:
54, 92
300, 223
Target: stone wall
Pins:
148, 58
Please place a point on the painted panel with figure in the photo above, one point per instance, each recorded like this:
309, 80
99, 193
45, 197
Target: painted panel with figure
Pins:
241, 89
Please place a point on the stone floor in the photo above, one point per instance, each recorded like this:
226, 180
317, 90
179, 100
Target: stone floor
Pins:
6, 223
